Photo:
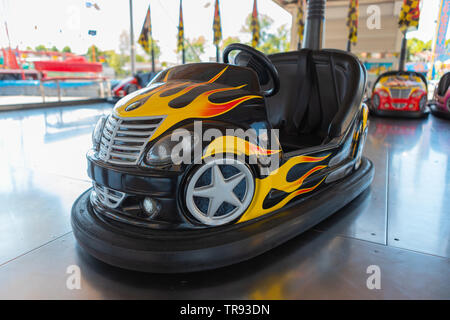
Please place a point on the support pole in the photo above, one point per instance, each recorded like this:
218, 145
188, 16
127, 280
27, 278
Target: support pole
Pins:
315, 25
183, 57
401, 63
153, 55
132, 52
217, 53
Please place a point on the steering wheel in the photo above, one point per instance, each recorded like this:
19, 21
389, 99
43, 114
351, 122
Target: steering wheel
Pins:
259, 62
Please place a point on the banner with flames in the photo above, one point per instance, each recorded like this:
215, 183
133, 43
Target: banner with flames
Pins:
180, 43
352, 21
217, 25
409, 15
145, 37
254, 25
300, 21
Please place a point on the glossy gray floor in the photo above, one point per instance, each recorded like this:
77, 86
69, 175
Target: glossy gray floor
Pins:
401, 224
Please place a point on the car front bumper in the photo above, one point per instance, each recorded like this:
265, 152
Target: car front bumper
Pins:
439, 112
176, 251
136, 184
400, 113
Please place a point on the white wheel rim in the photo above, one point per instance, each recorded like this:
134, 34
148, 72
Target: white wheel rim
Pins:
220, 192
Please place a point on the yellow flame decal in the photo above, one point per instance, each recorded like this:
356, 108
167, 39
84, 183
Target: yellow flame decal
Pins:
277, 180
236, 145
199, 107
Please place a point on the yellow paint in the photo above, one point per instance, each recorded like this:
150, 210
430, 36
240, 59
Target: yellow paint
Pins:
277, 180
199, 107
236, 145
403, 82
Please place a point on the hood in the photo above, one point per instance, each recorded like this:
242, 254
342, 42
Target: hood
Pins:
410, 82
178, 100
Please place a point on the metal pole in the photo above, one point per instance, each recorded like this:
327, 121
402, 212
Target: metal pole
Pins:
132, 52
58, 89
401, 64
217, 53
315, 25
153, 55
183, 58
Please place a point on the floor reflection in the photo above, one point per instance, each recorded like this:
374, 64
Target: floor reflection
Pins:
43, 170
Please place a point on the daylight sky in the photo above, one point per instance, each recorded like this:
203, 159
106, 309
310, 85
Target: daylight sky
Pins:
66, 22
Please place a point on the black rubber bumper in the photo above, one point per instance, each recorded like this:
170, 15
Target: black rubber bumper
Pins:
400, 114
439, 113
178, 251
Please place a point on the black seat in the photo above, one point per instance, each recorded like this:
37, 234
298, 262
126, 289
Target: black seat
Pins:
320, 93
443, 85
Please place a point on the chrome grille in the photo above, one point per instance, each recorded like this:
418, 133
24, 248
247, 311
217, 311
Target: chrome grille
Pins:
108, 197
399, 105
400, 93
124, 139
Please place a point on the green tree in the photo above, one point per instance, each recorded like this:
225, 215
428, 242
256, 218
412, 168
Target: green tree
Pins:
141, 58
97, 52
268, 42
40, 47
156, 50
227, 41
116, 61
194, 48
66, 49
54, 49
416, 46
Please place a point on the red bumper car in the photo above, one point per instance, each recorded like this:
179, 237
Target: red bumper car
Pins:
400, 94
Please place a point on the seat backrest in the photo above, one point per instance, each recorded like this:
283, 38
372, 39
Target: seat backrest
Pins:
443, 85
320, 92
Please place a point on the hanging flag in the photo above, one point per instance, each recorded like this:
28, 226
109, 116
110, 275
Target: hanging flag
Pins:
145, 37
300, 21
440, 51
254, 26
180, 45
352, 21
216, 25
409, 15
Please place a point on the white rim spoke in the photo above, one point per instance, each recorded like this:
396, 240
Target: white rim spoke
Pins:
220, 191
235, 180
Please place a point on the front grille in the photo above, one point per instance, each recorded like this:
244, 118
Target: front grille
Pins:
123, 140
400, 93
399, 105
108, 197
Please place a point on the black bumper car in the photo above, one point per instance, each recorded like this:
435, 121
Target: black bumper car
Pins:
232, 187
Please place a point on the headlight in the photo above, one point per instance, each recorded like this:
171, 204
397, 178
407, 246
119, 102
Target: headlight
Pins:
97, 133
416, 94
383, 93
174, 148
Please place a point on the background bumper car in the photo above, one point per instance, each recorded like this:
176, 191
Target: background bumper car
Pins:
441, 102
400, 94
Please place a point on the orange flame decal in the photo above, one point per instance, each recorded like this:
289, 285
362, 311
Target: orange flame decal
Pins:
277, 180
200, 107
236, 145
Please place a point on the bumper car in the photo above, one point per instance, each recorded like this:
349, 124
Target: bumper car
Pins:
232, 197
400, 94
130, 84
441, 104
